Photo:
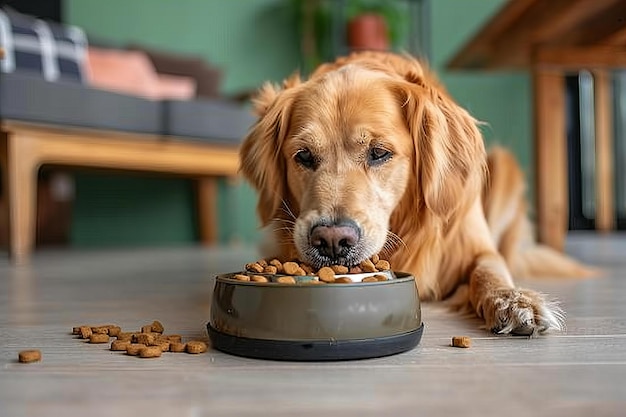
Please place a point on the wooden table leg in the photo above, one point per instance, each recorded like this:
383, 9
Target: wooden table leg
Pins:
20, 179
207, 191
550, 157
605, 211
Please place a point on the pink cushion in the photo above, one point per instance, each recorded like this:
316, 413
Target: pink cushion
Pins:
132, 72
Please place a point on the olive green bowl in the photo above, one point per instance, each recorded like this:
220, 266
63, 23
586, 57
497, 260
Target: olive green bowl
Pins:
310, 322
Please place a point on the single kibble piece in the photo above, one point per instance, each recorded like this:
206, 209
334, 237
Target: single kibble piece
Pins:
369, 279
157, 327
134, 348
196, 346
146, 329
242, 277
375, 258
254, 267
258, 278
278, 264
163, 344
291, 268
461, 341
100, 330
367, 266
270, 269
380, 277
308, 269
150, 352
85, 332
383, 265
343, 280
76, 330
28, 356
340, 269
326, 274
355, 270
145, 338
99, 338
115, 331
178, 347
174, 337
124, 336
119, 345
286, 280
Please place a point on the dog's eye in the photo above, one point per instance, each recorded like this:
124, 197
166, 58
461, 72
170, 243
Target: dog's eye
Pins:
305, 158
379, 155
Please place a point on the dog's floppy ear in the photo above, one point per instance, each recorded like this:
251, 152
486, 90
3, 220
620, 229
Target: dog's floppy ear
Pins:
450, 153
260, 154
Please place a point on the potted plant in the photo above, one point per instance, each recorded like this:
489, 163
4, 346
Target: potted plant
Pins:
367, 25
373, 24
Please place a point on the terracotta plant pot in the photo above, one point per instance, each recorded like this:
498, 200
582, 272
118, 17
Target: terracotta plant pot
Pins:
368, 31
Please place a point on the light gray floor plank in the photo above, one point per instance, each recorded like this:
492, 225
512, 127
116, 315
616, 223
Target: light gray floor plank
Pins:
579, 372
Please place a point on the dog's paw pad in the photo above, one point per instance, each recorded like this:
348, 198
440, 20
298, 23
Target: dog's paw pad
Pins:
522, 312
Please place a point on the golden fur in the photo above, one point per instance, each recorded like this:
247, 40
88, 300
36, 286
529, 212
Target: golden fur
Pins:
371, 147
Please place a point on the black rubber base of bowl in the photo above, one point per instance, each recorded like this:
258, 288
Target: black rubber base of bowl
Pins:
314, 350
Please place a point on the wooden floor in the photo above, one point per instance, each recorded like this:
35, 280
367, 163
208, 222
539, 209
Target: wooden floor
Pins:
581, 372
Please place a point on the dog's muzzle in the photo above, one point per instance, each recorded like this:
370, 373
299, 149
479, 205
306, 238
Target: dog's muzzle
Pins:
334, 241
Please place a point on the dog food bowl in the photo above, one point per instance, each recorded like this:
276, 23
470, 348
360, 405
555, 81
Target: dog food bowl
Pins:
307, 322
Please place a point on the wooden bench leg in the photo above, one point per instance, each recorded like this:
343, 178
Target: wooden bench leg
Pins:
20, 183
207, 192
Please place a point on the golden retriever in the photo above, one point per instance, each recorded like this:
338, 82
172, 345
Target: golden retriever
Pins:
369, 155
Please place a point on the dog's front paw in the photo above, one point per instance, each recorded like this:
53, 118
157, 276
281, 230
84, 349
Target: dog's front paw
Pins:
521, 312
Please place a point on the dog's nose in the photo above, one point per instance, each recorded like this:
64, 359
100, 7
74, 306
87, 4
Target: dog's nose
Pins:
335, 240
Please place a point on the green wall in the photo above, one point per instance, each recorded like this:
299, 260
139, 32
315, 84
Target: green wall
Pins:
502, 100
250, 41
253, 41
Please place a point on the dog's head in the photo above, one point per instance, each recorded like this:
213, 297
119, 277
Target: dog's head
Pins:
365, 146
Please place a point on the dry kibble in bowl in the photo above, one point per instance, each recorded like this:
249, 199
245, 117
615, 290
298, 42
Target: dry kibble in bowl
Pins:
328, 274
